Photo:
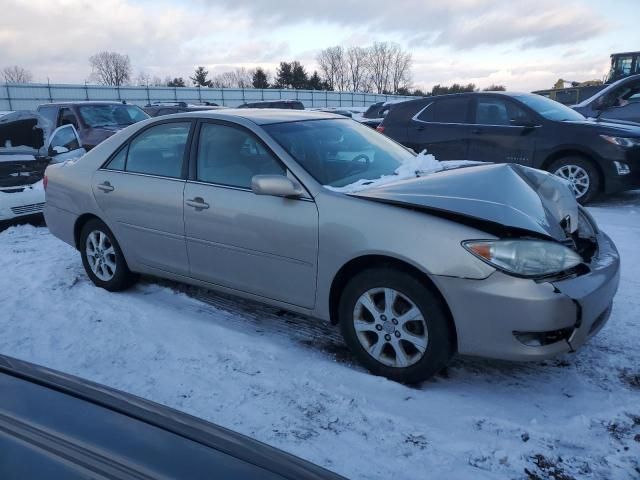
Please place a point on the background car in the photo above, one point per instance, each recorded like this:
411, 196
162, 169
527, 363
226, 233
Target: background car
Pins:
94, 121
168, 108
618, 101
27, 146
528, 129
283, 104
59, 426
317, 214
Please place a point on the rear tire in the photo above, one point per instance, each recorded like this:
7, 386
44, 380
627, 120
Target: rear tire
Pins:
581, 173
103, 259
403, 336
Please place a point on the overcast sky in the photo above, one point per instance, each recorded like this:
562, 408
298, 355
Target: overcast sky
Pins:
522, 44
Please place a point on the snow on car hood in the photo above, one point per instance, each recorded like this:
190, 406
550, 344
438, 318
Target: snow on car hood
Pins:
509, 195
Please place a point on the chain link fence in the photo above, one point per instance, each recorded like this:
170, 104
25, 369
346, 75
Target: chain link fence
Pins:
29, 96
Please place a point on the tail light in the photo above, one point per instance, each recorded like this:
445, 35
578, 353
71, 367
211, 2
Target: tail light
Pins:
45, 180
380, 128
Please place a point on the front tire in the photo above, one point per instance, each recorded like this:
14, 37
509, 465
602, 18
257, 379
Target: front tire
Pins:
395, 325
581, 173
102, 258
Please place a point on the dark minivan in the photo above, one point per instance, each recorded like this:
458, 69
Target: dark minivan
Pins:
94, 121
528, 129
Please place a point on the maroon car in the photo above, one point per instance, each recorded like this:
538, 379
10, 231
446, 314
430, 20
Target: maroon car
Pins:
94, 121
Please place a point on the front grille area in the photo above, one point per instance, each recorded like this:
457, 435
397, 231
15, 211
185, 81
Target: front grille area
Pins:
26, 209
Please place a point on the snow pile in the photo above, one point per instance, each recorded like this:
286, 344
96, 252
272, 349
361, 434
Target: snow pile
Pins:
574, 417
416, 166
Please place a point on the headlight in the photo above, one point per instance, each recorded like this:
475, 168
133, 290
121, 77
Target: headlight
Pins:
622, 141
524, 258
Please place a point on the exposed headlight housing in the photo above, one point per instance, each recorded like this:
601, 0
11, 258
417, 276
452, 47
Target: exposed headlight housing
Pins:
525, 258
625, 142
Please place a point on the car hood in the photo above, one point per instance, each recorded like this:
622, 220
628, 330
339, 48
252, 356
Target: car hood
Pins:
616, 127
24, 132
506, 196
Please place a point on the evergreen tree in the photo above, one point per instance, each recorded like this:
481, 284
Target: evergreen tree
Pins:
299, 77
176, 82
315, 82
284, 75
260, 79
200, 77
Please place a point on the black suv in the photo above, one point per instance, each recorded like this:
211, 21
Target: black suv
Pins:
521, 128
283, 104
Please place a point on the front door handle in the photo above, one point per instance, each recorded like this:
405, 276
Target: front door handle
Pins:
106, 187
476, 131
198, 203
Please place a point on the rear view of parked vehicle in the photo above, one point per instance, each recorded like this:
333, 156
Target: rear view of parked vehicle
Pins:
94, 121
595, 157
27, 146
282, 104
320, 215
169, 108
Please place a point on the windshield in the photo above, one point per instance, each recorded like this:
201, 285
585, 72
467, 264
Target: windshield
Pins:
550, 109
111, 115
339, 152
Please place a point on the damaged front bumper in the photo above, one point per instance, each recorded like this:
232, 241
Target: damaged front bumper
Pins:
518, 319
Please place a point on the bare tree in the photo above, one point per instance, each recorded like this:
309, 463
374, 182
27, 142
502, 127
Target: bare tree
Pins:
16, 74
357, 60
332, 63
238, 78
110, 68
380, 59
400, 69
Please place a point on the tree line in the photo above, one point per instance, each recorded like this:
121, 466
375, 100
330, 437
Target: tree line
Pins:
383, 68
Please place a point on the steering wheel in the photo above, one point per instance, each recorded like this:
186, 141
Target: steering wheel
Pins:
356, 165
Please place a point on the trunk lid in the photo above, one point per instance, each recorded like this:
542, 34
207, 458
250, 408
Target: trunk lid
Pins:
22, 144
508, 195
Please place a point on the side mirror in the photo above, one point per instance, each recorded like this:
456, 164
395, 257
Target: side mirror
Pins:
276, 185
58, 149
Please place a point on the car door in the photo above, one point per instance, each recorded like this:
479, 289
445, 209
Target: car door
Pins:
503, 132
442, 128
64, 144
140, 192
263, 245
67, 117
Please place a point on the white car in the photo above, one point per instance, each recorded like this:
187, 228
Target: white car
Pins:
27, 146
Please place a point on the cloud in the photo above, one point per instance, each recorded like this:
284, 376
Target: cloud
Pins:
457, 23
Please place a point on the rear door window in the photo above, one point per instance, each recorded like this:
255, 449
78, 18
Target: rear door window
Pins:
498, 112
159, 150
451, 110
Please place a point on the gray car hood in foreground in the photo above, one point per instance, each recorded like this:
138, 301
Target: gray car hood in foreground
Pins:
508, 195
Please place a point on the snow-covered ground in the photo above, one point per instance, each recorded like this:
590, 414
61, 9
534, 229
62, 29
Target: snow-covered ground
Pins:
290, 383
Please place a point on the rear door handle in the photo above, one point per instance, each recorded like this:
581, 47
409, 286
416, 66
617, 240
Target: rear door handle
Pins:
198, 203
476, 131
106, 187
420, 128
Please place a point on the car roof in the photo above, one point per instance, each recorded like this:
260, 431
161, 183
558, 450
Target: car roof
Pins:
85, 102
262, 116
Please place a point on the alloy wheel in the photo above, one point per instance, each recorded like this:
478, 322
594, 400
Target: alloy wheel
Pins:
577, 177
390, 327
101, 255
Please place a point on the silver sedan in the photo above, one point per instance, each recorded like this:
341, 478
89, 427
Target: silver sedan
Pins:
317, 214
